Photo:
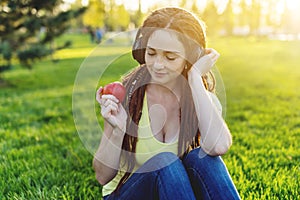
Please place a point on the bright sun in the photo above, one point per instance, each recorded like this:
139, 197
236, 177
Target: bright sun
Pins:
293, 5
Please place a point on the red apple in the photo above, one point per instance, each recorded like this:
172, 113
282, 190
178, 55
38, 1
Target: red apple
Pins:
116, 88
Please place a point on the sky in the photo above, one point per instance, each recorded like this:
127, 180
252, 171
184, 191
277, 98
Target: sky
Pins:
293, 5
146, 4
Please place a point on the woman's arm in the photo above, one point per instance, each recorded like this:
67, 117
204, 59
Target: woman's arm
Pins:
107, 158
215, 135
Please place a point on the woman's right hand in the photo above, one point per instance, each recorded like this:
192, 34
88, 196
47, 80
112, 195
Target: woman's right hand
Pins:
206, 62
112, 110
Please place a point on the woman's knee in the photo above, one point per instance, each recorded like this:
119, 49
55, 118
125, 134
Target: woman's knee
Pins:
159, 161
165, 157
197, 157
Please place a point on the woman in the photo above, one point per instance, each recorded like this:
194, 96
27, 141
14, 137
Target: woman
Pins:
165, 139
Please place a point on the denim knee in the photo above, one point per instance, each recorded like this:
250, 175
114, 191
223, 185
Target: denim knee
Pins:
197, 157
210, 174
159, 161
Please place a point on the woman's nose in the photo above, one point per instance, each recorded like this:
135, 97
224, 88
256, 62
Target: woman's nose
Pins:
158, 64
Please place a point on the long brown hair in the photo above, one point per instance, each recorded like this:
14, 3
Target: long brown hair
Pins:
183, 22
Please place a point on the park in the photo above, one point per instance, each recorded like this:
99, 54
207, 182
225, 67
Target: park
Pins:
44, 157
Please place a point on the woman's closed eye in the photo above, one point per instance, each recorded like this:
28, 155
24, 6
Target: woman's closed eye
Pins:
151, 52
169, 55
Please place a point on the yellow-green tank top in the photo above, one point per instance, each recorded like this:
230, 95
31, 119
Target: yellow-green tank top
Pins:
146, 147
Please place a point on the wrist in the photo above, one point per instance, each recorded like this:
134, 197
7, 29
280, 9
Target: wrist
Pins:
195, 81
194, 71
119, 131
194, 76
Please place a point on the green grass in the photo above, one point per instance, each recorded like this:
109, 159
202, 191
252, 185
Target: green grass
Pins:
262, 81
42, 156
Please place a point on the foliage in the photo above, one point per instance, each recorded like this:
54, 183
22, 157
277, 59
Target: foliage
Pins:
227, 19
29, 27
35, 52
107, 15
5, 49
247, 17
94, 15
117, 18
137, 18
210, 17
43, 157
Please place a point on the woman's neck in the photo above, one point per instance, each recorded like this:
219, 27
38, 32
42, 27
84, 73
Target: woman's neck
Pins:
163, 91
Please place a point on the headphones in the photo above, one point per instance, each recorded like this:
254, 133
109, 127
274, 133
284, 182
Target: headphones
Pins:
194, 50
139, 46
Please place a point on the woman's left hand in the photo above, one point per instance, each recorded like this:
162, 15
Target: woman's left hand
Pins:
206, 62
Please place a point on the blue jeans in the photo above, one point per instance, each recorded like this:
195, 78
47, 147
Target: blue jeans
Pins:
166, 177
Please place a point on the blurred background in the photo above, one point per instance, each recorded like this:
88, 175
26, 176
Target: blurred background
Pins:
28, 29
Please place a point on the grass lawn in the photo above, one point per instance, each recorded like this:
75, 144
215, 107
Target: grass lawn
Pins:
43, 157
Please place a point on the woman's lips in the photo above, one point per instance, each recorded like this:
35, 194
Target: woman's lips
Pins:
159, 73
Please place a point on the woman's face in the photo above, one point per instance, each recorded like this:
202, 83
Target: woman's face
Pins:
164, 56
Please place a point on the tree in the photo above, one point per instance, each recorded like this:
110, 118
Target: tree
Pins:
137, 18
29, 27
255, 17
194, 8
211, 17
227, 18
183, 3
94, 15
124, 17
117, 17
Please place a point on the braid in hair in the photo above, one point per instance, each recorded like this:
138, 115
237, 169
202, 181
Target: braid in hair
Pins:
135, 84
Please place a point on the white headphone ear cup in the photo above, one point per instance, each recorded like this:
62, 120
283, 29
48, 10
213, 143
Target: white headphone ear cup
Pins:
138, 51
